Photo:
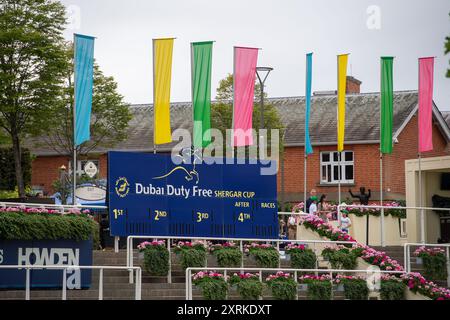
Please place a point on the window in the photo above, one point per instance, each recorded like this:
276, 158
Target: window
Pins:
81, 164
329, 167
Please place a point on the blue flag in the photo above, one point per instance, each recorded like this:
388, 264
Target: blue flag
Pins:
308, 147
84, 82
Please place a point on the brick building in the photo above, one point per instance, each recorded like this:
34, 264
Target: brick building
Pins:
360, 160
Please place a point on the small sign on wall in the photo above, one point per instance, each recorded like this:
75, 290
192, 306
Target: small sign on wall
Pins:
90, 169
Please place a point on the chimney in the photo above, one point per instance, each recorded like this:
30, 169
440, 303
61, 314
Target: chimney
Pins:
353, 85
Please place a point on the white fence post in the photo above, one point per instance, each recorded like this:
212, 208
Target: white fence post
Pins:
100, 285
27, 284
64, 288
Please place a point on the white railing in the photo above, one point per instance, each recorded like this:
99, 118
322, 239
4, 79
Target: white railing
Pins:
407, 255
382, 233
138, 285
240, 240
62, 207
288, 270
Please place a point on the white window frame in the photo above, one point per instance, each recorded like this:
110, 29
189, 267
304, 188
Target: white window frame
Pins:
333, 164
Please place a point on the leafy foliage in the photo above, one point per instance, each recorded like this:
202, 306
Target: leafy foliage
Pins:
109, 119
435, 266
356, 289
319, 290
24, 226
303, 259
283, 288
194, 256
213, 288
32, 65
222, 111
266, 257
8, 179
392, 290
249, 288
228, 257
343, 258
156, 260
447, 50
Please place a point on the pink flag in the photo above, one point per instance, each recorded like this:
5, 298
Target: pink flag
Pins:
243, 84
426, 66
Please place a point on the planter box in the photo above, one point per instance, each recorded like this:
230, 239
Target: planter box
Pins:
409, 295
419, 260
339, 288
45, 252
303, 287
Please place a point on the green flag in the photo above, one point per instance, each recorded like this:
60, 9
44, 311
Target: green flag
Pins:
201, 59
387, 102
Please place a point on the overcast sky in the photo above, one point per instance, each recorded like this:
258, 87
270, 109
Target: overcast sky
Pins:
285, 30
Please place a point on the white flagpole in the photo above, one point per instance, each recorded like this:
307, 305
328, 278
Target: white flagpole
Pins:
304, 181
339, 175
381, 201
74, 164
154, 109
422, 214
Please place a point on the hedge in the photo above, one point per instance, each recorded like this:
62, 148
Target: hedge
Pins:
26, 226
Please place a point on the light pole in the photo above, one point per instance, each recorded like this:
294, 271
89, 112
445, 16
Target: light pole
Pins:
260, 72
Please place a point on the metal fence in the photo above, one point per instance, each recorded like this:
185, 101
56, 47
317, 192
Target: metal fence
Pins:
288, 270
138, 285
130, 260
407, 255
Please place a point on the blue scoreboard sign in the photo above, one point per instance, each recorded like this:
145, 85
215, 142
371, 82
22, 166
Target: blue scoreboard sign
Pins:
151, 195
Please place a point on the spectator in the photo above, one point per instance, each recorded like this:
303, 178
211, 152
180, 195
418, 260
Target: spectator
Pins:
345, 221
313, 205
323, 207
292, 227
308, 202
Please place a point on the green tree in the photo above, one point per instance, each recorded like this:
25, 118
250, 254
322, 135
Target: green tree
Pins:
222, 110
32, 62
109, 119
447, 50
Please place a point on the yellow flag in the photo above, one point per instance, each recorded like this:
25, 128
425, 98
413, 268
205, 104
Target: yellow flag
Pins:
342, 81
162, 75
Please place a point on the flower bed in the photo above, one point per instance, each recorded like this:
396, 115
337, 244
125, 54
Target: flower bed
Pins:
380, 259
418, 284
192, 254
301, 257
392, 288
434, 262
319, 287
316, 224
394, 211
212, 284
20, 223
341, 257
266, 255
248, 285
355, 288
228, 254
156, 257
282, 286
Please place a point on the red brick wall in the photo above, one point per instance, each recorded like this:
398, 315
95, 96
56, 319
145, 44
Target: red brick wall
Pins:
407, 148
45, 170
366, 172
366, 166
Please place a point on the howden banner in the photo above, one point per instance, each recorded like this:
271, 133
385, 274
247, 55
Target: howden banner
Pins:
151, 195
